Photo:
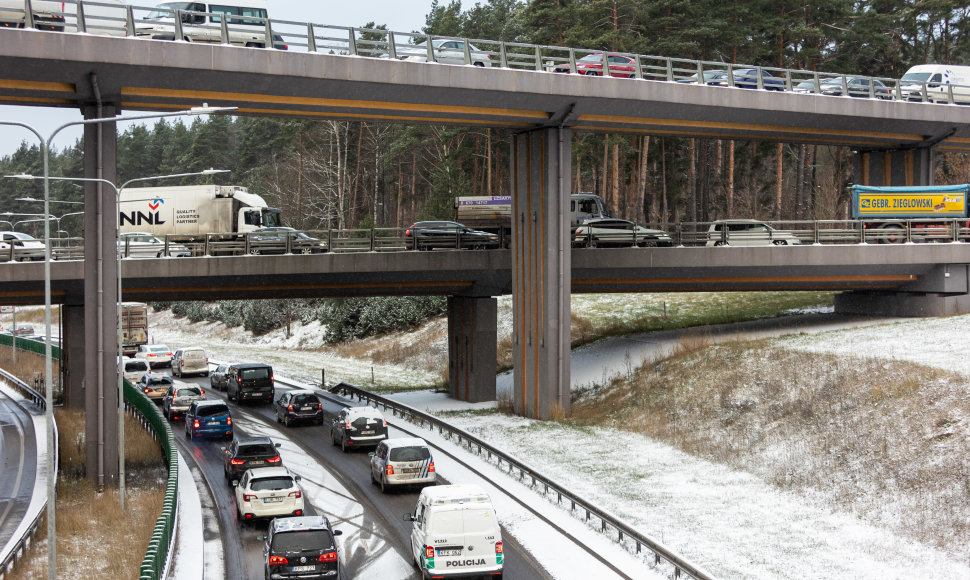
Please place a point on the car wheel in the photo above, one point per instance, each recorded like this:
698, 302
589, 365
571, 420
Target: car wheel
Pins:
286, 420
278, 420
479, 63
320, 420
383, 485
253, 251
779, 243
188, 434
333, 441
306, 251
343, 444
719, 243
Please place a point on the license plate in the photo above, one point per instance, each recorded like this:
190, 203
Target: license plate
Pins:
450, 552
411, 470
259, 462
303, 568
307, 409
272, 499
370, 432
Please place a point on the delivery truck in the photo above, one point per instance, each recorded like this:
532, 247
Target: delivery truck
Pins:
493, 213
195, 210
134, 326
919, 213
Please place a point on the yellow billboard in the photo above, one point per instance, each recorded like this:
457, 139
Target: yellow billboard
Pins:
912, 204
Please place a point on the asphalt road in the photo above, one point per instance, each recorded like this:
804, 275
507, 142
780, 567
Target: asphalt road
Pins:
362, 536
19, 466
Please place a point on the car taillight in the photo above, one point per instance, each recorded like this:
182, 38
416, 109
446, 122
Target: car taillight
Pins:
236, 461
151, 356
328, 557
347, 425
385, 422
290, 408
147, 389
248, 497
276, 459
296, 494
195, 424
228, 420
389, 470
498, 547
429, 551
407, 232
278, 561
319, 406
431, 467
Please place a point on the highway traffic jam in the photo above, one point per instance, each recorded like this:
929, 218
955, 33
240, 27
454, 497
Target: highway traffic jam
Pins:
301, 485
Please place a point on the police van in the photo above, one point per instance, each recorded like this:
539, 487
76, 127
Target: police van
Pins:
455, 533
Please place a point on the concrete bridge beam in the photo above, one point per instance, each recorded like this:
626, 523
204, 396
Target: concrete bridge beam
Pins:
472, 343
943, 291
541, 272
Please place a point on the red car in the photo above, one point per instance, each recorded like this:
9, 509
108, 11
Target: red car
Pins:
592, 64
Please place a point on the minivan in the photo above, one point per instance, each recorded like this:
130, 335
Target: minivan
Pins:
190, 361
202, 22
250, 382
455, 533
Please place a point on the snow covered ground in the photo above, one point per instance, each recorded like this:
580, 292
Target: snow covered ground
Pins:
727, 521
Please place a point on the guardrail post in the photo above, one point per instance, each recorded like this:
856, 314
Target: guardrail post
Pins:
730, 75
269, 34
468, 51
909, 232
606, 64
503, 55
700, 73
351, 41
429, 42
761, 80
392, 46
224, 21
872, 87
572, 61
28, 15
670, 70
129, 21
373, 240
639, 73
177, 21
82, 25
538, 56
311, 38
949, 93
845, 86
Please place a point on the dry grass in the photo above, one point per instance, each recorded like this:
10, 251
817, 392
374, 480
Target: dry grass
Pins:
887, 440
94, 537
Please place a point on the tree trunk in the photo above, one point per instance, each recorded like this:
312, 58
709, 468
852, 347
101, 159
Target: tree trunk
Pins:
692, 179
488, 162
730, 180
781, 148
664, 214
642, 177
615, 180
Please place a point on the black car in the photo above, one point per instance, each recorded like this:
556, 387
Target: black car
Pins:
299, 406
430, 235
248, 452
218, 377
301, 547
358, 427
284, 241
250, 382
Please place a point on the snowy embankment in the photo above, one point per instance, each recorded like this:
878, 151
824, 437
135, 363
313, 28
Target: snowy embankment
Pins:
728, 521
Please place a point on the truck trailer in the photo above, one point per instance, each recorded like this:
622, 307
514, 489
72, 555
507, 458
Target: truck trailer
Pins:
493, 213
194, 210
134, 326
918, 213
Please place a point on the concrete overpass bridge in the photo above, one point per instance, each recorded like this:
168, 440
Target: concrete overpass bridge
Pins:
102, 76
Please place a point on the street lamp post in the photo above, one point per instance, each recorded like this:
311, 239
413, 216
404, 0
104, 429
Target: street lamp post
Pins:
118, 190
48, 386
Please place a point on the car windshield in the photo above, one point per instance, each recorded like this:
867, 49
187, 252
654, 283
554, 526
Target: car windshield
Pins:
212, 410
918, 77
592, 57
171, 6
409, 454
301, 541
250, 374
136, 366
189, 392
159, 381
158, 349
258, 449
271, 483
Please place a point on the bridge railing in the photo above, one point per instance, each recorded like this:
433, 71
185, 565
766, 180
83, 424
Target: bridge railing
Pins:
618, 530
92, 17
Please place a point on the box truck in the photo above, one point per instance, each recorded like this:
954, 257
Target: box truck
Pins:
888, 211
194, 210
134, 326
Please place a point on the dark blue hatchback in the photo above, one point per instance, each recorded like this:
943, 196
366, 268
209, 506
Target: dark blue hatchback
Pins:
208, 419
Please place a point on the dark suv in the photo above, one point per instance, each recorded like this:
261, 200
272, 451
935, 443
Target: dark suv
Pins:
301, 547
250, 382
301, 405
249, 452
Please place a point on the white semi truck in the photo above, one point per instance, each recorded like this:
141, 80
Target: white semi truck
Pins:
194, 210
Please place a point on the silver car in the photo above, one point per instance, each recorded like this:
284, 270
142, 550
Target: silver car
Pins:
402, 461
748, 233
613, 232
448, 51
145, 245
25, 246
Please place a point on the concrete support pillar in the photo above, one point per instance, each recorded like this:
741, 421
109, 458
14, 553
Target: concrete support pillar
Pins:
541, 272
943, 291
100, 299
472, 343
907, 167
72, 351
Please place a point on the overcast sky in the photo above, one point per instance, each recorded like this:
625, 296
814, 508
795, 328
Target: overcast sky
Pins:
398, 15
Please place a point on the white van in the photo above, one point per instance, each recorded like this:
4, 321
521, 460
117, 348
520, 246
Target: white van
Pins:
135, 369
402, 461
190, 361
202, 22
936, 80
455, 533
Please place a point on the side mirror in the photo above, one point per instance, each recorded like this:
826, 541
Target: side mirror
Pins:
277, 445
297, 478
337, 533
235, 482
408, 517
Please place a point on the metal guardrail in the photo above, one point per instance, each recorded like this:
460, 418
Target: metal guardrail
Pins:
18, 549
609, 524
342, 241
172, 24
161, 546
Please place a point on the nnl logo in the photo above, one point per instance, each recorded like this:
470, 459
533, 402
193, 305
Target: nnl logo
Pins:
138, 218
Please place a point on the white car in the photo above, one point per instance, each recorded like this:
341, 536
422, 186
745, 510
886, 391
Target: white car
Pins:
268, 492
748, 233
156, 355
202, 22
606, 232
145, 245
134, 369
448, 51
47, 15
25, 246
